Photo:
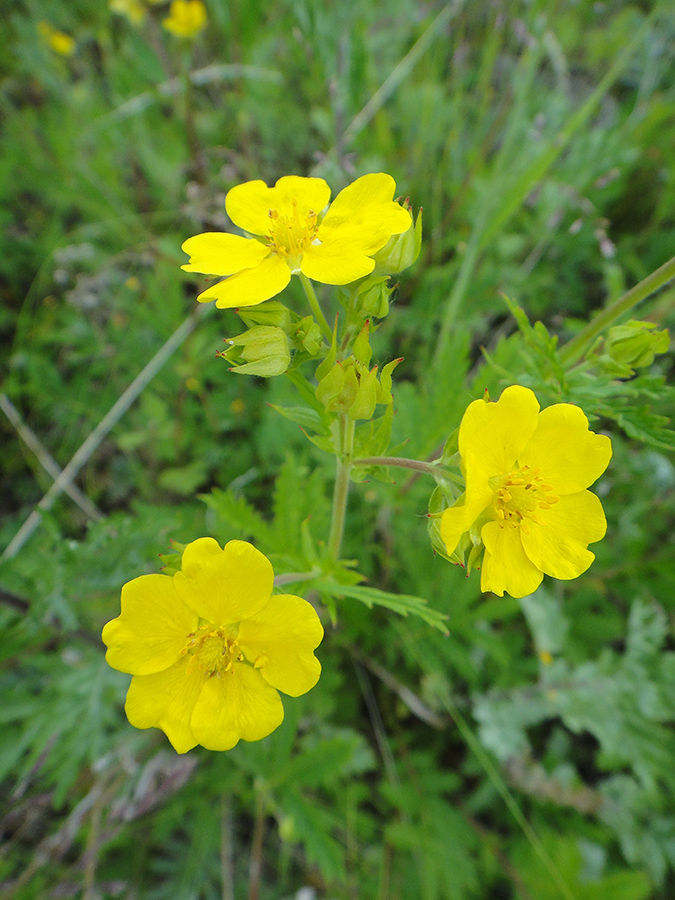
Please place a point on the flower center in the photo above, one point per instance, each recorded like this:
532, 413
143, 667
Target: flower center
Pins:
519, 494
212, 649
290, 234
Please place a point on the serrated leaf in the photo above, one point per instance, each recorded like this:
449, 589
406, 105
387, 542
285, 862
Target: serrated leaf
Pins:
403, 604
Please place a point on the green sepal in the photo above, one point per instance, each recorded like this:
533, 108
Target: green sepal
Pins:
271, 312
373, 296
361, 349
401, 250
384, 392
365, 401
171, 562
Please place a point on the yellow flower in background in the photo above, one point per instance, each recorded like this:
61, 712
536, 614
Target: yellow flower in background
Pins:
186, 18
294, 236
134, 10
526, 477
210, 647
59, 41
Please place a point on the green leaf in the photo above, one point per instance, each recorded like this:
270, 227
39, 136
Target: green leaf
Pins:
304, 416
403, 604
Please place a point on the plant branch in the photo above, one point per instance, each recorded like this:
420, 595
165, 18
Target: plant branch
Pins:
310, 293
341, 492
574, 349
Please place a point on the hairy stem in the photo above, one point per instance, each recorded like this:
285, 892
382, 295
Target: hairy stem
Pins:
310, 293
574, 349
344, 465
399, 461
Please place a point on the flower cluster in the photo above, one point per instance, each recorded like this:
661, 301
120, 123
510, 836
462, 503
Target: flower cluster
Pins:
294, 234
210, 647
526, 473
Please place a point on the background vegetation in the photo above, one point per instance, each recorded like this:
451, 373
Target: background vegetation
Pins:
528, 754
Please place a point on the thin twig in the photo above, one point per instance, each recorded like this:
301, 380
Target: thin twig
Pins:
401, 71
45, 459
108, 422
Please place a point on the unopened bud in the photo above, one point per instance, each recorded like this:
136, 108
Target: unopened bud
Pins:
262, 350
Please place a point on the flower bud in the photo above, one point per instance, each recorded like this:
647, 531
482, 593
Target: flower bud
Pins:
271, 312
307, 336
373, 296
262, 350
635, 344
401, 250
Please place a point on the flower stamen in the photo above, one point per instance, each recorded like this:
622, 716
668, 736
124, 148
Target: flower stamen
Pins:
213, 650
518, 495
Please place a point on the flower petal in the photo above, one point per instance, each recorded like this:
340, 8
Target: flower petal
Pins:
296, 195
239, 704
505, 565
249, 204
152, 628
569, 456
368, 204
224, 586
279, 641
454, 522
338, 260
558, 547
495, 433
166, 700
249, 287
217, 253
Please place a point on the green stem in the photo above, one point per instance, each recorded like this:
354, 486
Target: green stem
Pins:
400, 462
294, 577
341, 492
315, 307
498, 782
429, 468
574, 349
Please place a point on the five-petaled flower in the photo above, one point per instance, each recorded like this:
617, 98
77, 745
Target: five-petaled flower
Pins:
186, 18
293, 235
526, 477
210, 647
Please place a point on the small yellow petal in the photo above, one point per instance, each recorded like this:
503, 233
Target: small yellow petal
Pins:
336, 261
368, 203
238, 705
217, 253
166, 700
570, 456
559, 545
224, 586
295, 195
152, 628
279, 640
249, 286
454, 522
249, 204
505, 564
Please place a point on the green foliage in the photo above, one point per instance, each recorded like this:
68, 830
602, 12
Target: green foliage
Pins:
539, 141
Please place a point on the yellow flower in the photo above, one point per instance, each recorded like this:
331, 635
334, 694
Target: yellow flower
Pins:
59, 41
132, 9
294, 236
526, 477
210, 647
186, 18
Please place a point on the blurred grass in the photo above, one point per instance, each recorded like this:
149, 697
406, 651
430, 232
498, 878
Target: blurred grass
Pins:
540, 140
